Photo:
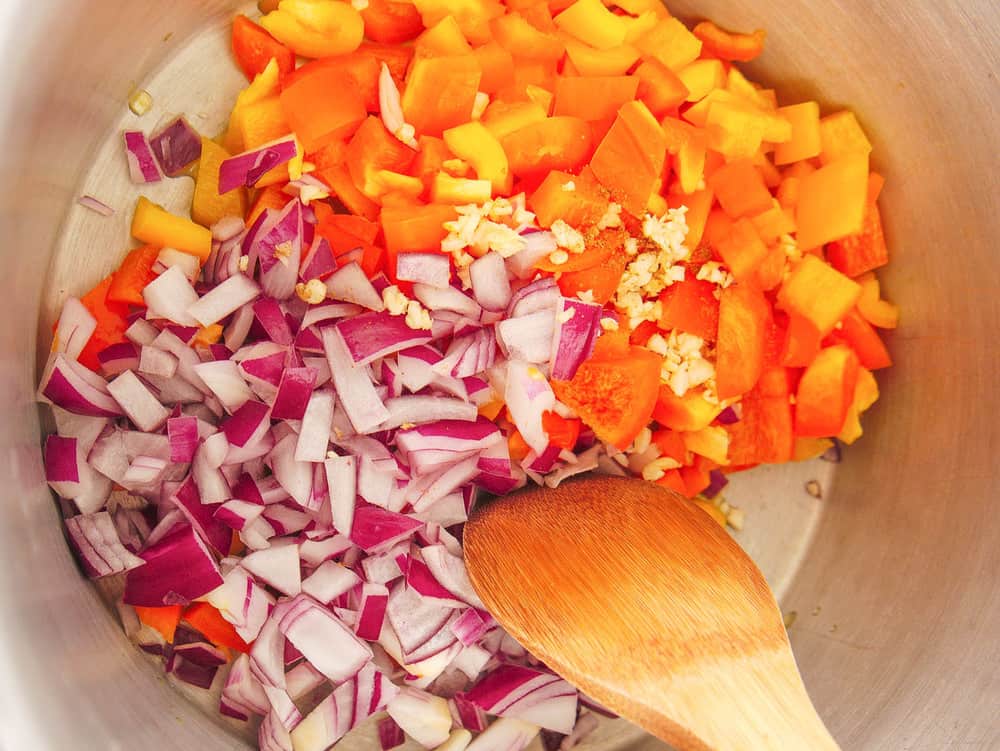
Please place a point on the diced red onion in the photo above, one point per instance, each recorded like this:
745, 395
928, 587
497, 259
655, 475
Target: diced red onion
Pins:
244, 170
529, 695
432, 269
489, 281
271, 317
142, 166
323, 639
62, 462
450, 572
76, 326
577, 328
832, 454
373, 335
469, 715
139, 404
224, 379
447, 298
156, 362
421, 409
314, 435
202, 517
201, 653
278, 567
350, 284
542, 294
191, 672
295, 476
176, 146
95, 539
224, 299
376, 529
505, 734
728, 416
318, 262
170, 296
528, 338
95, 205
422, 716
73, 387
341, 479
178, 568
330, 581
371, 612
471, 626
528, 394
390, 735
237, 514
248, 423
354, 386
718, 481
115, 359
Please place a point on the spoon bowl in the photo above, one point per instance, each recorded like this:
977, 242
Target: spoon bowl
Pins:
645, 603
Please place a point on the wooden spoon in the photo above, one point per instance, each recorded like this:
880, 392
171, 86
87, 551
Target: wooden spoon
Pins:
641, 600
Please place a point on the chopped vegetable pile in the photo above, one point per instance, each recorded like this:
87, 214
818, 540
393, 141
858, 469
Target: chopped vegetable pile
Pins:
443, 248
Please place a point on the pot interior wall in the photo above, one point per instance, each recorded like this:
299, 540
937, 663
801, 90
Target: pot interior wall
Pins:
895, 597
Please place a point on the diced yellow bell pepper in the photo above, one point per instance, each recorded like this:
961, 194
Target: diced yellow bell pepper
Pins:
865, 395
841, 136
459, 191
810, 448
472, 16
262, 122
738, 84
541, 97
832, 202
817, 291
711, 442
712, 510
590, 61
805, 141
316, 28
154, 225
264, 85
207, 206
670, 42
393, 182
593, 24
641, 7
640, 25
878, 312
701, 77
474, 143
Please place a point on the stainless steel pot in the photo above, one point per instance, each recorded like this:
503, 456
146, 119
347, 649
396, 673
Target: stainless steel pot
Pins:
897, 596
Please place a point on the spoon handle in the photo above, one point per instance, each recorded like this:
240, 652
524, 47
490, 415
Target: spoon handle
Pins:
753, 702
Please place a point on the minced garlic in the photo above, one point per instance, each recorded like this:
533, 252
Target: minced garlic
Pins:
417, 317
312, 292
567, 237
612, 217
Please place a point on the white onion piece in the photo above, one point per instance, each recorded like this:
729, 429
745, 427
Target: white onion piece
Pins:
505, 734
350, 284
223, 377
76, 326
314, 436
277, 567
169, 257
422, 716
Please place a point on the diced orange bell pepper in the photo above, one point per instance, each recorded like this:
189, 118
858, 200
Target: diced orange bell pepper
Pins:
323, 104
271, 197
660, 88
496, 65
726, 45
517, 446
153, 225
842, 136
396, 57
801, 342
671, 445
135, 272
361, 68
832, 201
475, 144
432, 153
810, 448
513, 32
672, 480
670, 42
738, 244
629, 161
764, 434
612, 345
414, 229
111, 320
818, 292
254, 48
688, 145
691, 307
699, 205
773, 223
862, 252
339, 180
614, 397
260, 122
473, 16
737, 129
562, 431
711, 443
740, 189
164, 619
686, 413
601, 280
373, 149
440, 93
442, 39
598, 252
805, 142
575, 199
207, 206
593, 98
555, 143
460, 191
207, 621
770, 272
859, 335
826, 391
503, 118
391, 22
314, 29
744, 319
